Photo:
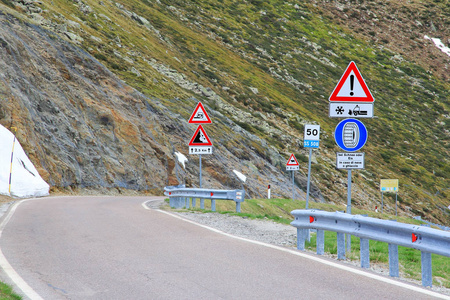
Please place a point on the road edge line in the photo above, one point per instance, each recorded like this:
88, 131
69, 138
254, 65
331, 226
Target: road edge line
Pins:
6, 266
317, 259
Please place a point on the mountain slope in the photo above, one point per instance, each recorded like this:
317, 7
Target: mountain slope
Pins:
263, 69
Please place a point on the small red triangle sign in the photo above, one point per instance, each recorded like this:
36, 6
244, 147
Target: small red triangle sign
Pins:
351, 87
200, 138
199, 116
292, 161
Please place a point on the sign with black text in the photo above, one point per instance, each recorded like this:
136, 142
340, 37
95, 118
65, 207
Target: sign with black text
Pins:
350, 160
311, 136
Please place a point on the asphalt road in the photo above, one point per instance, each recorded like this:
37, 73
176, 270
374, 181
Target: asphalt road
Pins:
114, 248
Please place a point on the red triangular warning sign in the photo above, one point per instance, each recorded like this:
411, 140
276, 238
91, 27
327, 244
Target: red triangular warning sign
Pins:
292, 161
351, 87
199, 116
200, 138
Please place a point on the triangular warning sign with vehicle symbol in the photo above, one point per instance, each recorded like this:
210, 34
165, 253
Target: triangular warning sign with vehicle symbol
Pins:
199, 116
351, 87
200, 138
292, 161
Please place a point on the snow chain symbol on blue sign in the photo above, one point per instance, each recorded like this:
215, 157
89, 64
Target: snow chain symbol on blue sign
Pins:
350, 135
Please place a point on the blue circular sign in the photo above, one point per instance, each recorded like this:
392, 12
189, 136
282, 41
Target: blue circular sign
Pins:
350, 135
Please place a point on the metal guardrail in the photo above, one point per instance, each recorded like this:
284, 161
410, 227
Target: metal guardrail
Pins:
425, 239
180, 197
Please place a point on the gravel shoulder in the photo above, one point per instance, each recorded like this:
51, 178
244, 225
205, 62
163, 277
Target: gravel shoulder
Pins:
265, 231
270, 232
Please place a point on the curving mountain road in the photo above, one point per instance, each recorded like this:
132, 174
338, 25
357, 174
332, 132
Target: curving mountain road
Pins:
117, 248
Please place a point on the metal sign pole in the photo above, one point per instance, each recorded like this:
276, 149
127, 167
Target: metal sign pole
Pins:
349, 191
309, 178
395, 204
200, 162
349, 204
293, 189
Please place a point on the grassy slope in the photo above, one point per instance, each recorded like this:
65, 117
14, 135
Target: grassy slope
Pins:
266, 44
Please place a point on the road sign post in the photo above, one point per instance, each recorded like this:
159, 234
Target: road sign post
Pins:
200, 171
350, 160
389, 185
199, 116
293, 186
349, 205
200, 142
350, 135
308, 182
350, 98
292, 165
351, 110
311, 139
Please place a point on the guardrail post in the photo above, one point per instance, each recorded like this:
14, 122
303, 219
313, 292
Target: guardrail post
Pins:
301, 239
320, 242
341, 245
187, 201
238, 207
174, 201
393, 260
202, 203
427, 279
364, 253
427, 240
213, 205
171, 202
194, 202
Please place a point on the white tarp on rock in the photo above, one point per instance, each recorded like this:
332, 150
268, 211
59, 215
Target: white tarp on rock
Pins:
25, 179
241, 176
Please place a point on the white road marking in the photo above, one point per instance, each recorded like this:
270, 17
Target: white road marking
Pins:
307, 256
9, 270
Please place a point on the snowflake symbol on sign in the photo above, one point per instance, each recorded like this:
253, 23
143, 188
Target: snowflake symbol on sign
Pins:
340, 110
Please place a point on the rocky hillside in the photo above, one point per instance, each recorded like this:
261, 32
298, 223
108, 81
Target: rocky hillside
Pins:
101, 92
85, 128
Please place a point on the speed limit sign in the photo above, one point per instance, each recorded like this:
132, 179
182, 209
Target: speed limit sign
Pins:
311, 136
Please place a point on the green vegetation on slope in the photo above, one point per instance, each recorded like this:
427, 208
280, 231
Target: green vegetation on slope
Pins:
293, 53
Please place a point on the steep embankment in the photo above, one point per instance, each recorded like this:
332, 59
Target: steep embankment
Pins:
84, 127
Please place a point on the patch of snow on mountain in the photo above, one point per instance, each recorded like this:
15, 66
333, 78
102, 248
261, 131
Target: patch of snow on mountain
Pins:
438, 43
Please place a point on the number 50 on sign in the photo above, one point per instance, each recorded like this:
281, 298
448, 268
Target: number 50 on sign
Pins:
311, 136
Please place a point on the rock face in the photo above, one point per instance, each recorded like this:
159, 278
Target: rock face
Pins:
83, 127
79, 123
